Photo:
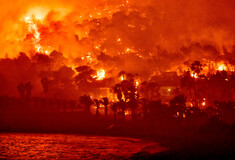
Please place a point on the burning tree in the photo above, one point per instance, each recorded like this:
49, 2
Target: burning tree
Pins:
196, 68
127, 95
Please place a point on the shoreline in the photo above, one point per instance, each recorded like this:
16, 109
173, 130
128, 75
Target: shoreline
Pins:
207, 143
205, 138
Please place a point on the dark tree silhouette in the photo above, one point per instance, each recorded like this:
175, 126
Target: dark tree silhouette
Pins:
72, 105
97, 103
122, 74
187, 82
145, 107
84, 78
122, 106
129, 90
133, 105
179, 101
21, 89
149, 89
28, 87
178, 104
196, 68
114, 107
117, 89
84, 74
105, 102
45, 85
86, 100
130, 95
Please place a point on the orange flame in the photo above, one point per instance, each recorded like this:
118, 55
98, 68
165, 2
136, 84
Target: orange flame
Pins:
33, 28
100, 75
222, 67
194, 75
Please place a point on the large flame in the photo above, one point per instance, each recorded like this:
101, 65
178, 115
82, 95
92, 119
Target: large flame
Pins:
33, 29
32, 18
100, 74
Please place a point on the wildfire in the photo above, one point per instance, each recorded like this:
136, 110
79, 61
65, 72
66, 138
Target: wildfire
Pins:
122, 78
127, 113
222, 67
33, 29
208, 67
136, 83
100, 75
204, 102
89, 57
194, 75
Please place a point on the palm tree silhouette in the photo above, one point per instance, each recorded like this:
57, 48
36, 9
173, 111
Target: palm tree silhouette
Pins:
97, 103
187, 82
129, 90
196, 67
105, 102
45, 85
114, 107
117, 89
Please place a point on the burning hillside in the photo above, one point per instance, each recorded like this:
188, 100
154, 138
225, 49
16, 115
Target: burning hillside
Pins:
55, 38
153, 69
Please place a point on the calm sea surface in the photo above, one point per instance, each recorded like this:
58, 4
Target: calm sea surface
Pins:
60, 146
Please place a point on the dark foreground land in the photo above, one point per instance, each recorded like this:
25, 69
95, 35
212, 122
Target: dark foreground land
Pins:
204, 138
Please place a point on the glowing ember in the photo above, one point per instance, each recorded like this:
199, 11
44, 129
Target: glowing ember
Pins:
204, 102
136, 83
191, 105
88, 57
194, 75
127, 113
